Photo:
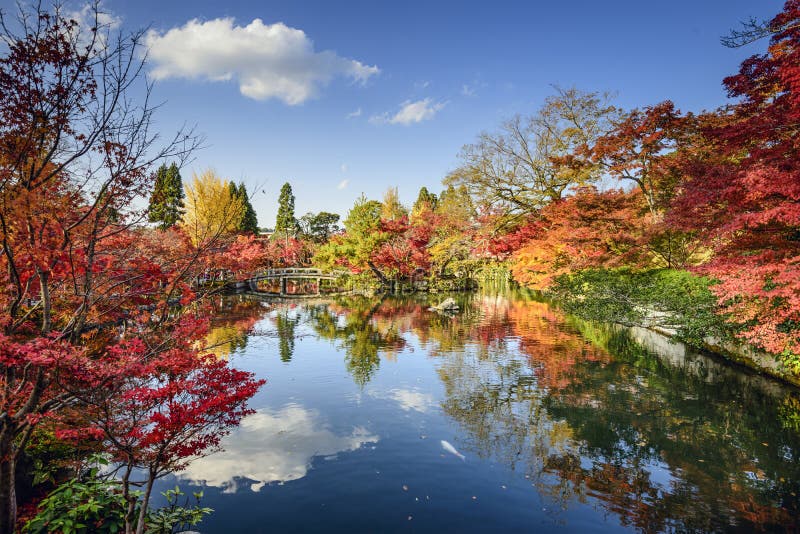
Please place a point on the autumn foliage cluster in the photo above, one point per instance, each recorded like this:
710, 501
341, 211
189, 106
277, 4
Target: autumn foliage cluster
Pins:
582, 184
717, 193
101, 322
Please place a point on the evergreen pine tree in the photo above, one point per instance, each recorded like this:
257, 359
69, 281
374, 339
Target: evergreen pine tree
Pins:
249, 222
286, 224
425, 198
166, 202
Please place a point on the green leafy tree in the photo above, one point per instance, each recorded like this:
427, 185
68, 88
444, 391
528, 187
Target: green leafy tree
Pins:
452, 239
362, 238
286, 224
319, 227
166, 202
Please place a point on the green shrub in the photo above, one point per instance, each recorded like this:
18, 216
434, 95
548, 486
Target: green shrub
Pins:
666, 298
93, 504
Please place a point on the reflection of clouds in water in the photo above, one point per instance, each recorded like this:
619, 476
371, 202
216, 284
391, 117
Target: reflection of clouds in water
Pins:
272, 446
408, 399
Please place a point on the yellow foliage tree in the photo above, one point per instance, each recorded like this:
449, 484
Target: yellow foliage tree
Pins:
211, 210
391, 208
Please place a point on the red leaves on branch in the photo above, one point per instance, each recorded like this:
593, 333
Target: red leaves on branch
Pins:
746, 199
158, 413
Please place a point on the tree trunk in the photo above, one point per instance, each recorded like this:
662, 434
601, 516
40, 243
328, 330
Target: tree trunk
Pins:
378, 273
8, 496
151, 478
44, 279
129, 499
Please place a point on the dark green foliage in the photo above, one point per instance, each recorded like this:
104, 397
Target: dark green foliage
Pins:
425, 198
286, 224
94, 504
166, 202
77, 506
165, 520
248, 220
664, 298
319, 226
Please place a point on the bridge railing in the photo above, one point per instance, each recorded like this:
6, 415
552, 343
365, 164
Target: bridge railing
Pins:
293, 270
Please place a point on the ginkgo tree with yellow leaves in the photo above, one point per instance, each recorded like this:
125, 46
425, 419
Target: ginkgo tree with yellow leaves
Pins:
211, 209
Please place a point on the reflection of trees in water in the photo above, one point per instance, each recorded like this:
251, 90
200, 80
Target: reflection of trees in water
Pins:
584, 412
350, 321
731, 458
659, 447
285, 327
234, 318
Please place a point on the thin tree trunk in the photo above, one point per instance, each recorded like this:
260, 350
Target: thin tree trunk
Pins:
145, 502
8, 496
44, 280
129, 499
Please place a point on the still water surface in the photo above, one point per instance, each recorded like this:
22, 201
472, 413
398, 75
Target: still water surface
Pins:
563, 425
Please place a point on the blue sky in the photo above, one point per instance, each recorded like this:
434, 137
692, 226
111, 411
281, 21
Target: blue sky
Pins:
462, 66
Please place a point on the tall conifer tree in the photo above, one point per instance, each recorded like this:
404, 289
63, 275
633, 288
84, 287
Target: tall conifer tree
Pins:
286, 223
249, 222
166, 202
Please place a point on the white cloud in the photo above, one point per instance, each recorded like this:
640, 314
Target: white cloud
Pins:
354, 114
467, 90
267, 60
343, 184
86, 18
343, 167
89, 18
422, 84
410, 112
272, 446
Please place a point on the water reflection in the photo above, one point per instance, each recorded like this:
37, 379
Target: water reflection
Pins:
407, 399
362, 328
273, 446
591, 418
234, 318
285, 323
661, 445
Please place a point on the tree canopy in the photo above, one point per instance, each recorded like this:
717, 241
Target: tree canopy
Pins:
533, 160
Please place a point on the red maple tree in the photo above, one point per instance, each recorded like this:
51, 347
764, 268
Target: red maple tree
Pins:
746, 199
94, 305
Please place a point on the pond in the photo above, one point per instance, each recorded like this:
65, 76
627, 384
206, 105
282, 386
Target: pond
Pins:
380, 415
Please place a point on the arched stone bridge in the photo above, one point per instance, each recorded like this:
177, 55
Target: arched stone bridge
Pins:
294, 281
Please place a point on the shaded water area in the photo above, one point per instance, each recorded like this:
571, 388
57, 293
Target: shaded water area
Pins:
563, 425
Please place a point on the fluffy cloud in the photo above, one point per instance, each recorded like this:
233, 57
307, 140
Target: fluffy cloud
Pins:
267, 60
343, 184
272, 446
102, 20
410, 112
